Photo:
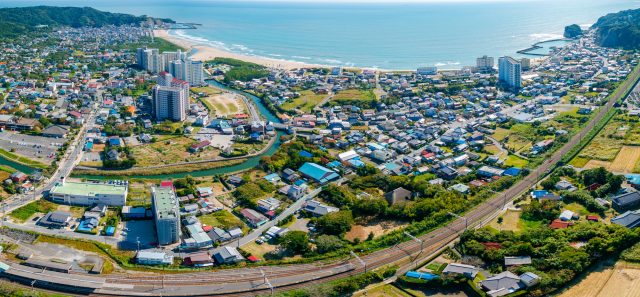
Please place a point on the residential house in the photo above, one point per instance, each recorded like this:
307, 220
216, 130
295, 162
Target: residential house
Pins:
626, 201
398, 196
154, 258
227, 255
319, 209
468, 271
254, 218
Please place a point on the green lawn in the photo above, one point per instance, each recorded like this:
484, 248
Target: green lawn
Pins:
20, 159
354, 94
42, 206
516, 161
306, 102
222, 219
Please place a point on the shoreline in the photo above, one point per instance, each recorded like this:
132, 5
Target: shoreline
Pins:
204, 52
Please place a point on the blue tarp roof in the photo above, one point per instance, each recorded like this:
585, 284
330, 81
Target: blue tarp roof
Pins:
356, 163
539, 193
318, 173
114, 141
513, 171
305, 154
110, 231
421, 275
633, 178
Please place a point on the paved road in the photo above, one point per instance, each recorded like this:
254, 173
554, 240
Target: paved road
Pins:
69, 160
256, 233
246, 281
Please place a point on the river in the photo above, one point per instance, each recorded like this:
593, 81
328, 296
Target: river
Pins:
248, 164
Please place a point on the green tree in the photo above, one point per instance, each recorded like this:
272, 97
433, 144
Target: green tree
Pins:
296, 242
328, 243
335, 223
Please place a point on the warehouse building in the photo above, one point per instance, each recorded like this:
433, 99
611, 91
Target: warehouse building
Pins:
111, 193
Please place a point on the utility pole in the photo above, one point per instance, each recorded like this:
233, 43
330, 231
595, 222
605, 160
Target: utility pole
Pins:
363, 263
421, 247
138, 242
466, 225
266, 280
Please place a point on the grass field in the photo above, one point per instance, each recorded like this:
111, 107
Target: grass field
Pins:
167, 151
222, 103
222, 219
516, 161
500, 134
354, 94
21, 159
577, 208
259, 250
579, 162
305, 103
25, 212
139, 195
385, 290
626, 159
510, 221
620, 280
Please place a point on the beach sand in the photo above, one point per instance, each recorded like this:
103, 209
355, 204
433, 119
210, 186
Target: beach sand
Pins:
206, 52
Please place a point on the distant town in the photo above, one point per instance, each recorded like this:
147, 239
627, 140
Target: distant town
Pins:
123, 158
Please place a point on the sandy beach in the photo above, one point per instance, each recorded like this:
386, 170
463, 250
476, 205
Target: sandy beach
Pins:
206, 52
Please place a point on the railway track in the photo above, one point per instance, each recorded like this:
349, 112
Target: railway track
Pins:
411, 251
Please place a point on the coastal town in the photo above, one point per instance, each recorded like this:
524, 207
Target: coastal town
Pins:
123, 156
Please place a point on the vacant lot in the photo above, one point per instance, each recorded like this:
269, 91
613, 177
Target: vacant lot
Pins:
25, 212
377, 228
222, 219
259, 250
516, 161
354, 94
385, 290
596, 163
139, 195
167, 151
305, 103
621, 280
170, 151
606, 145
626, 159
510, 221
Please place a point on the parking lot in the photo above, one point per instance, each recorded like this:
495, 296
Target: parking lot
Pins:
144, 231
40, 148
217, 140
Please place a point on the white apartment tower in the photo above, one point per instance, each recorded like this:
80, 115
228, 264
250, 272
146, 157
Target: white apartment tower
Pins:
485, 63
510, 73
170, 98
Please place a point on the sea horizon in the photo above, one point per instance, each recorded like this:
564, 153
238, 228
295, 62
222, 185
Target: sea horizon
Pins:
376, 35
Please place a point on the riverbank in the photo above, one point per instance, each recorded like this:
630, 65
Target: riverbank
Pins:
17, 159
204, 52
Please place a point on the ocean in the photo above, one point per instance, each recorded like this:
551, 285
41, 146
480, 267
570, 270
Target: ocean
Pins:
445, 34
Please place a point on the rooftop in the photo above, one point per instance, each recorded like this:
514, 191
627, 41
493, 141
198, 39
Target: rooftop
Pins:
165, 202
89, 188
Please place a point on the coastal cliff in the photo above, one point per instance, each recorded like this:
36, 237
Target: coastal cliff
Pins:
22, 20
619, 30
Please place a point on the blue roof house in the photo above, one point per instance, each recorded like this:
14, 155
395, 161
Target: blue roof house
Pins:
305, 154
272, 178
318, 173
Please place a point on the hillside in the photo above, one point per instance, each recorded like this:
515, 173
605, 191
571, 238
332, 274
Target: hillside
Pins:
619, 30
20, 20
